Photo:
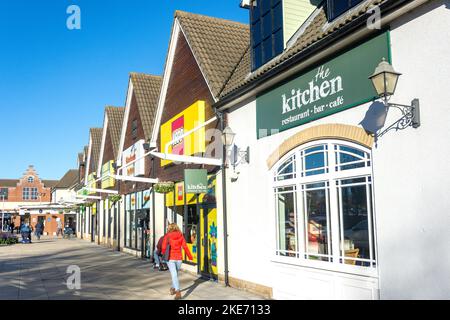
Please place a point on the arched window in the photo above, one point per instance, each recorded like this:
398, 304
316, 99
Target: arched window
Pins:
324, 211
30, 179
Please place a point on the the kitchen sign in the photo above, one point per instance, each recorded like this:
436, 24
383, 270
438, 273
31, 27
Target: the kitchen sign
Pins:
334, 86
196, 180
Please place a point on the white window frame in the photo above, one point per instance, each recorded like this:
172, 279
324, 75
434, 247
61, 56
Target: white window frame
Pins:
332, 176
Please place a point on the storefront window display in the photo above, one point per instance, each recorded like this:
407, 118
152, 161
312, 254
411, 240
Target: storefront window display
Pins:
136, 219
184, 209
323, 195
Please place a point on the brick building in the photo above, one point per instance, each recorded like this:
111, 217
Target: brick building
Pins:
28, 190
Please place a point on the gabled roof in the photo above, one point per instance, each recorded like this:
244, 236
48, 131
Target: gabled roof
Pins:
50, 183
217, 44
96, 136
8, 183
315, 29
68, 180
80, 157
115, 121
146, 89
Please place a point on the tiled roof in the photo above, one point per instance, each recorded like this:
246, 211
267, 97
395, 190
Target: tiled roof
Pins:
80, 157
96, 135
50, 183
217, 44
115, 121
146, 89
68, 180
8, 183
317, 29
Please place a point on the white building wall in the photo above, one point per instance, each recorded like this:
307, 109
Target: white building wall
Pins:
411, 169
412, 166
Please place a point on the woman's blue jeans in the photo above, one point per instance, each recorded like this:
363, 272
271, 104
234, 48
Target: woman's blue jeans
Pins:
174, 267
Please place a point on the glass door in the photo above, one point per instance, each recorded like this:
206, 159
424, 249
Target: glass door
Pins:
208, 241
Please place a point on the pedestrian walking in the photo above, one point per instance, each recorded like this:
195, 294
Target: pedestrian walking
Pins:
26, 233
12, 226
172, 252
157, 255
38, 230
59, 228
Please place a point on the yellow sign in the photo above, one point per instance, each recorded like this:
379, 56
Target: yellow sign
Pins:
179, 196
183, 122
211, 251
91, 183
107, 181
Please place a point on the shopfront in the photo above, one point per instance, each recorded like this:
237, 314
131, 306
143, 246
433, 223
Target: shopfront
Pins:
137, 223
196, 215
311, 182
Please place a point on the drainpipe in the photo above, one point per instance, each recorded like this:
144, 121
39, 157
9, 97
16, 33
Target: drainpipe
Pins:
153, 211
224, 199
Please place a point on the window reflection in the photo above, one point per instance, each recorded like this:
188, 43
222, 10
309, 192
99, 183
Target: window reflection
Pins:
355, 240
317, 222
287, 245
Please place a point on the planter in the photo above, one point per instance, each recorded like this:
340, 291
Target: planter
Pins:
164, 187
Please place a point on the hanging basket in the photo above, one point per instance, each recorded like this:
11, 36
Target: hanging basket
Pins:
115, 198
164, 187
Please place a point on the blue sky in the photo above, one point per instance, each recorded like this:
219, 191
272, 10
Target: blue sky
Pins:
55, 82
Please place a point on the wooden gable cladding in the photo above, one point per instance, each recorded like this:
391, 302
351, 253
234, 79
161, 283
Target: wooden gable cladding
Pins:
108, 152
126, 187
187, 85
133, 115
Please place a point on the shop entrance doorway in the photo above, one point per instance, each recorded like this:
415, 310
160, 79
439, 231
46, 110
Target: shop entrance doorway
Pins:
208, 241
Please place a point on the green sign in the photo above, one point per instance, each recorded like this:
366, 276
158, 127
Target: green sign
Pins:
336, 85
196, 180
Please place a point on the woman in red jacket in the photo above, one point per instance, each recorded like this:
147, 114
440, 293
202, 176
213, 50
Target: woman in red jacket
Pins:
175, 238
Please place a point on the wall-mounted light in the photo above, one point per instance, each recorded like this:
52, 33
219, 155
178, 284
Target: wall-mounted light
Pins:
385, 80
228, 137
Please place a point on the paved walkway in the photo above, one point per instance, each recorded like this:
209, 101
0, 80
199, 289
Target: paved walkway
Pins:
38, 271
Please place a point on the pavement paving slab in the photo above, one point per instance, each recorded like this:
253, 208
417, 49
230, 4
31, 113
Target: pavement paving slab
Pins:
39, 272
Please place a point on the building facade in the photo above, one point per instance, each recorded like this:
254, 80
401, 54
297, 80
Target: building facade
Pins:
332, 189
336, 199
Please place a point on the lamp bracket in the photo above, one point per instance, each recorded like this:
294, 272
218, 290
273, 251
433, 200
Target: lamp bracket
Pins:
410, 117
240, 156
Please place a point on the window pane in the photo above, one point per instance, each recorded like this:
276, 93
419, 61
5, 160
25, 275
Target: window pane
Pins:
277, 17
318, 239
338, 7
286, 224
355, 224
255, 11
133, 229
265, 6
256, 33
278, 42
257, 56
267, 49
267, 25
286, 170
352, 158
315, 161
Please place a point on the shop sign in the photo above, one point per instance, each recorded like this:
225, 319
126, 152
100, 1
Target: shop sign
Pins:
136, 151
183, 122
91, 183
108, 169
196, 180
337, 85
146, 199
133, 201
